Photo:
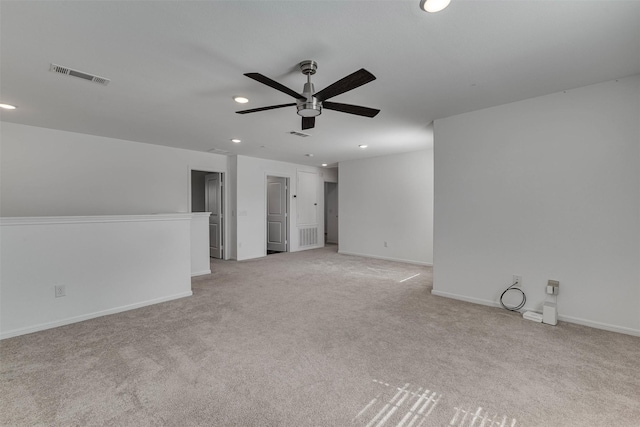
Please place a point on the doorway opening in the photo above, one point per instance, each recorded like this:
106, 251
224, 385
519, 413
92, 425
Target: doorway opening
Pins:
277, 214
207, 195
331, 213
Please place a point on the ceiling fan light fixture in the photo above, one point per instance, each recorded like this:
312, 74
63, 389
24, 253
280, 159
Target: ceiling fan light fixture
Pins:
241, 99
310, 109
433, 5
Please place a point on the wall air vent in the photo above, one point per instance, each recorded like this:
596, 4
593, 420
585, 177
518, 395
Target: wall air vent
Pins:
54, 68
307, 236
300, 134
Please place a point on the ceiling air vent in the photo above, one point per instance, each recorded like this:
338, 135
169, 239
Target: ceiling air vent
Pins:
300, 134
75, 73
219, 151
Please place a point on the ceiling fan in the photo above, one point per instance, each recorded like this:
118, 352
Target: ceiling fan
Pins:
310, 104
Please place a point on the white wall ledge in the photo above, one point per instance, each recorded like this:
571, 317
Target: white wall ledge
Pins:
107, 264
41, 220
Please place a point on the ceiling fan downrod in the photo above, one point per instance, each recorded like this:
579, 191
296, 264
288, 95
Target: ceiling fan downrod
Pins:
311, 107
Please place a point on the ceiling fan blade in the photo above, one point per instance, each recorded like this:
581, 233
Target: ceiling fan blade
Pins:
308, 122
274, 84
346, 84
351, 109
271, 107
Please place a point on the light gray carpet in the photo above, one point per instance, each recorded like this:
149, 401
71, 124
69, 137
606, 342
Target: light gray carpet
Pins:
316, 338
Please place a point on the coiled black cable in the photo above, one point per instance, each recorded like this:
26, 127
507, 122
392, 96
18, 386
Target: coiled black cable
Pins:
517, 307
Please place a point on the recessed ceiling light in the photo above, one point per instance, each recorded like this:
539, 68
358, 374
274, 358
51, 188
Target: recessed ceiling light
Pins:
236, 140
363, 146
324, 165
8, 107
433, 5
241, 99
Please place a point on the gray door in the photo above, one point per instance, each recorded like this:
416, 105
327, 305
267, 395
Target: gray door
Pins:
213, 202
276, 214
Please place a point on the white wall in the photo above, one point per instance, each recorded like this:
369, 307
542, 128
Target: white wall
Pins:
251, 203
548, 188
388, 198
200, 254
107, 265
46, 172
330, 174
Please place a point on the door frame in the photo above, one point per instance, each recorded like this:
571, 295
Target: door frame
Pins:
326, 213
219, 184
266, 204
225, 202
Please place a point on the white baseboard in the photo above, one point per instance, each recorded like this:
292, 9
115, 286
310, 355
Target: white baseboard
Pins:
201, 273
76, 319
406, 261
306, 248
569, 319
465, 298
600, 325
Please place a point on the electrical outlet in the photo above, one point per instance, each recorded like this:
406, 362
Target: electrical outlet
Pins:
517, 280
60, 291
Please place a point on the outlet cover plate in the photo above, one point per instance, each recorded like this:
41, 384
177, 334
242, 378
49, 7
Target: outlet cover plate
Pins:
517, 280
60, 291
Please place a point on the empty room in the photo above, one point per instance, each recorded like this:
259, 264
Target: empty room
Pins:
405, 213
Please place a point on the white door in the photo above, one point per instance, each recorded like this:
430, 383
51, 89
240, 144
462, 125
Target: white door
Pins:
213, 203
307, 200
276, 214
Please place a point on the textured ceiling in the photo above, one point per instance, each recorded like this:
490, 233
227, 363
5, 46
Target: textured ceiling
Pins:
175, 66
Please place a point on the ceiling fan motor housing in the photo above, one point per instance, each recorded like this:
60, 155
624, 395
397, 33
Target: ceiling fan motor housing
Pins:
310, 107
308, 67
